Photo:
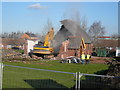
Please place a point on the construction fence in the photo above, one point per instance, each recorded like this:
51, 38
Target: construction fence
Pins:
92, 81
21, 77
15, 77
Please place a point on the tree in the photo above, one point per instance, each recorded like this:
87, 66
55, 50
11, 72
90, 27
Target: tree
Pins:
96, 30
47, 27
12, 34
84, 24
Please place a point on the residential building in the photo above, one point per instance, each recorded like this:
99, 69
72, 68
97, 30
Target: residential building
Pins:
29, 36
68, 40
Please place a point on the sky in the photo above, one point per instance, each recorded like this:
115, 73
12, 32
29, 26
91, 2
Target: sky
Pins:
33, 16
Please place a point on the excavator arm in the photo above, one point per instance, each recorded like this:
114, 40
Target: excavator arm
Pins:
49, 37
83, 46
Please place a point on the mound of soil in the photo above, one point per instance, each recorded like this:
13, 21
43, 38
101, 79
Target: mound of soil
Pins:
102, 60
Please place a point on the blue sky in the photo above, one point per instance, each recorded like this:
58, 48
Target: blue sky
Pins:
32, 16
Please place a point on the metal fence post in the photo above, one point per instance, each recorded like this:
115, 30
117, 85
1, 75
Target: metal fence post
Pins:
76, 81
79, 76
1, 73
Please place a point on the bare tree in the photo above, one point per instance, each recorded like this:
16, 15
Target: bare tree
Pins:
47, 27
84, 24
96, 30
11, 34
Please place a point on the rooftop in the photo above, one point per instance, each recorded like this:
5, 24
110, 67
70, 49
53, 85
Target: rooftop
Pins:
31, 34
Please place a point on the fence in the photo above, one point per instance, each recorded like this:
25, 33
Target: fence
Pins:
22, 77
92, 81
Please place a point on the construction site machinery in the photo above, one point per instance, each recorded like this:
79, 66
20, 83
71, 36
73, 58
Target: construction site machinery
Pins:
44, 49
82, 46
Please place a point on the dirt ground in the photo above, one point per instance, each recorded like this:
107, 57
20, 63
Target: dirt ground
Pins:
101, 60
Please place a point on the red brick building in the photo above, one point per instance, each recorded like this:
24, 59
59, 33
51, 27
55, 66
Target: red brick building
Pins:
68, 40
74, 48
30, 36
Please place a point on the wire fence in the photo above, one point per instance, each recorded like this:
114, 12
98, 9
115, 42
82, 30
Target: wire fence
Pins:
92, 81
23, 77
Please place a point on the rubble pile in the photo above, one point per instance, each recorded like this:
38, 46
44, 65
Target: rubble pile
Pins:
12, 54
35, 57
106, 83
9, 53
114, 68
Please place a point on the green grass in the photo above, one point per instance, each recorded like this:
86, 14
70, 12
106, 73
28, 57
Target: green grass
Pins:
14, 77
68, 67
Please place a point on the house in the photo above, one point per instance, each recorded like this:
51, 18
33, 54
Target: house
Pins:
12, 42
73, 47
26, 45
68, 40
106, 47
29, 36
105, 37
30, 45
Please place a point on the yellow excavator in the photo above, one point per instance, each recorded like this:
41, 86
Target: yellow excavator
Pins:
82, 46
45, 48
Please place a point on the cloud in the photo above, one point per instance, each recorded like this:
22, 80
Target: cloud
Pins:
37, 6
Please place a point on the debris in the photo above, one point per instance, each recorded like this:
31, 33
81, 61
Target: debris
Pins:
114, 68
102, 60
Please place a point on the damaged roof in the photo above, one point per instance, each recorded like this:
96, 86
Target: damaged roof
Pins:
75, 29
62, 35
70, 29
75, 42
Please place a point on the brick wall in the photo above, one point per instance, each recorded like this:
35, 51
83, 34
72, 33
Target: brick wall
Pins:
89, 48
65, 51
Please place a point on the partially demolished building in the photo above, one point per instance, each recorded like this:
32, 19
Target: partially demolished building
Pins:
68, 40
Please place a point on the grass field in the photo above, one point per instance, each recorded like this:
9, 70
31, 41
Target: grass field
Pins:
26, 78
